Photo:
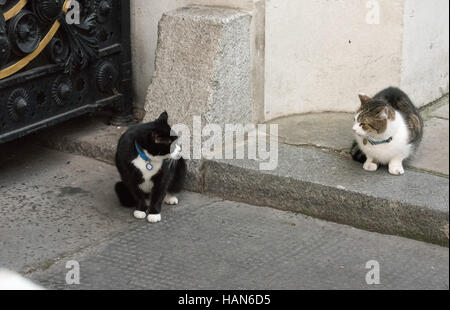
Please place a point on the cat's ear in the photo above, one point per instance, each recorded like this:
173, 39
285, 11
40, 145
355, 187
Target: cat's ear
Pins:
364, 99
164, 117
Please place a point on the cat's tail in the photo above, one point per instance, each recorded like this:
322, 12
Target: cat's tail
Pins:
357, 154
124, 195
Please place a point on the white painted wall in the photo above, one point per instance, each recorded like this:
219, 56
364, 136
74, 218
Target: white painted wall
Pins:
145, 16
320, 54
425, 61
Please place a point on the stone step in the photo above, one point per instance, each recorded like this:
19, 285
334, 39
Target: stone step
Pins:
334, 188
308, 180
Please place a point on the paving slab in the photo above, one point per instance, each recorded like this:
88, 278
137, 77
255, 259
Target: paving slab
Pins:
324, 130
433, 153
228, 245
49, 205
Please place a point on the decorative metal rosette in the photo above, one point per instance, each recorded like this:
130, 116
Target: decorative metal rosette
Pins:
107, 76
61, 89
47, 10
58, 50
17, 104
24, 32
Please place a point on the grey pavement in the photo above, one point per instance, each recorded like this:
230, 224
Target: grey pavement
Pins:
53, 204
57, 207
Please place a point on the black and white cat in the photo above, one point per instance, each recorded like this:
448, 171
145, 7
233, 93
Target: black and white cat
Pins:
388, 129
151, 168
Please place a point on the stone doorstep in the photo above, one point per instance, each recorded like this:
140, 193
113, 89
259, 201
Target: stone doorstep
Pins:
308, 180
437, 109
331, 131
441, 112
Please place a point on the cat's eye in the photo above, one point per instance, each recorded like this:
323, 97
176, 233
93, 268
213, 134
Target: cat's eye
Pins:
365, 126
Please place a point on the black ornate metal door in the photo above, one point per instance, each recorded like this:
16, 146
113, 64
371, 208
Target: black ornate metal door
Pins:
55, 66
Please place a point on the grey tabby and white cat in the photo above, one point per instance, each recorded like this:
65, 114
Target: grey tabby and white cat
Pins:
388, 129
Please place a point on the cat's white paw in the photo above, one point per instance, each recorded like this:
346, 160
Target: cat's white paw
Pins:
140, 215
396, 170
370, 166
171, 200
176, 154
154, 218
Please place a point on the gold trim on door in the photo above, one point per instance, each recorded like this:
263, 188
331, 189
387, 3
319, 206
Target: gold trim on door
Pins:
15, 9
8, 71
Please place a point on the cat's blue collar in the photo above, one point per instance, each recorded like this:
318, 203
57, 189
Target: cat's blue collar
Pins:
380, 142
144, 156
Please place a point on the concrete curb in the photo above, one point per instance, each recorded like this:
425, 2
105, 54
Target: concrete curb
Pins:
336, 204
307, 181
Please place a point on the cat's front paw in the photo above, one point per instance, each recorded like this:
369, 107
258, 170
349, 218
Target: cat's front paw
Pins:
171, 200
154, 218
140, 215
370, 166
396, 170
176, 154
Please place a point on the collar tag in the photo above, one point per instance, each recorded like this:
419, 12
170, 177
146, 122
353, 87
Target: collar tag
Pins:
144, 156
